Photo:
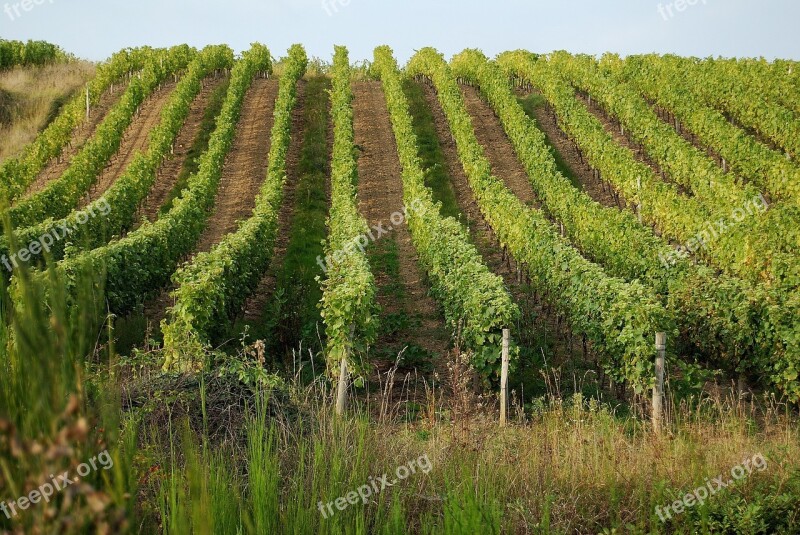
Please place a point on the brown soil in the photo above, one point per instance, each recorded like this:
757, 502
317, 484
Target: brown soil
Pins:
56, 166
498, 148
171, 167
254, 306
246, 165
380, 194
135, 140
500, 153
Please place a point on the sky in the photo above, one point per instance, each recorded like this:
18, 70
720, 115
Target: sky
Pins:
94, 29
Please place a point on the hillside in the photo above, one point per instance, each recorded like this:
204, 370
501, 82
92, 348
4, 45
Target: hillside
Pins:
536, 293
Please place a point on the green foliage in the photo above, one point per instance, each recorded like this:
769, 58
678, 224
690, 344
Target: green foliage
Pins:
747, 156
128, 270
214, 286
115, 211
348, 291
59, 197
775, 234
192, 162
620, 318
716, 313
761, 322
721, 85
32, 53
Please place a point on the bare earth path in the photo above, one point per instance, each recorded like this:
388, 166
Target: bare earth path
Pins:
56, 167
246, 166
380, 193
498, 148
171, 167
569, 154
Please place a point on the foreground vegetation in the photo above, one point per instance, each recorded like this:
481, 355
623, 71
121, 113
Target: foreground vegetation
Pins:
239, 449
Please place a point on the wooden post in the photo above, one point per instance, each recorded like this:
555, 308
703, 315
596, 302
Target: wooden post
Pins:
341, 395
658, 388
639, 205
504, 378
344, 378
87, 102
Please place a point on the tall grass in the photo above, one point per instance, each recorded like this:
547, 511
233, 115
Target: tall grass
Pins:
33, 97
59, 408
569, 466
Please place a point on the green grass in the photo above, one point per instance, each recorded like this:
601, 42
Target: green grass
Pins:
297, 275
291, 316
530, 104
573, 466
433, 161
384, 259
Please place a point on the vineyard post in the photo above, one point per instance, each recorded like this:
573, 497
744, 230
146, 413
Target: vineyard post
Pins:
87, 102
341, 395
504, 377
658, 388
639, 204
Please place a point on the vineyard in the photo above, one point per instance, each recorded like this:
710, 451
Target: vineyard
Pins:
256, 281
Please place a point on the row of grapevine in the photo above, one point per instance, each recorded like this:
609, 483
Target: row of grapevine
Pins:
19, 172
59, 197
788, 72
126, 271
474, 300
730, 246
771, 80
725, 317
678, 158
716, 82
115, 211
619, 318
688, 166
32, 53
214, 286
744, 154
348, 292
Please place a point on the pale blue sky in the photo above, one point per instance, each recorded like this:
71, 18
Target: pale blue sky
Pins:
94, 29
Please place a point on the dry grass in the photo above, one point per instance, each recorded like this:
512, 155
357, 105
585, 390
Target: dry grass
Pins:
561, 466
31, 97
